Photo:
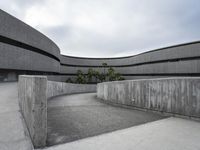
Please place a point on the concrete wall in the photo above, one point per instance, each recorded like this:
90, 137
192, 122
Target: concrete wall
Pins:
59, 88
171, 95
179, 60
15, 29
24, 50
33, 105
34, 92
167, 53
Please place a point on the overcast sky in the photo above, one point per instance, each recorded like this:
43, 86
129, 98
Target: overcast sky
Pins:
110, 28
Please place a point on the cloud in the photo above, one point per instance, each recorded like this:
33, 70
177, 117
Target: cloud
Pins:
110, 28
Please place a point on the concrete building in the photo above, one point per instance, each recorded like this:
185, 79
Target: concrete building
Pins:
24, 50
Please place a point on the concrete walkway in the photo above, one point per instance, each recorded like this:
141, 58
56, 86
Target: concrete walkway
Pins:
78, 116
165, 134
13, 133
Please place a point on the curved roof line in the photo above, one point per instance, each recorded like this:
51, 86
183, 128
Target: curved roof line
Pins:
173, 46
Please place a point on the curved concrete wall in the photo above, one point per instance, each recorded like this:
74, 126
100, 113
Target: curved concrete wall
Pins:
26, 51
23, 48
178, 60
179, 96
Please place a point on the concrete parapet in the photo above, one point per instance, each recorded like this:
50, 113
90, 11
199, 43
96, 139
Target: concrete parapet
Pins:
33, 105
33, 94
59, 88
179, 96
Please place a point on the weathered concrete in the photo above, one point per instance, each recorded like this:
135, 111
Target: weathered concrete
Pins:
33, 104
13, 132
59, 88
172, 95
165, 134
33, 94
169, 61
14, 28
78, 116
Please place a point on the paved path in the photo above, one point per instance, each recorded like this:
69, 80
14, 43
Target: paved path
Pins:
165, 134
78, 116
13, 133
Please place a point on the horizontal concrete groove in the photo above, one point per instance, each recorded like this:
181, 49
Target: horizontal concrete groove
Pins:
28, 72
156, 74
9, 41
136, 64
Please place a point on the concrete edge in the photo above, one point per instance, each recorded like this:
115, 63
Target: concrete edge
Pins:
166, 114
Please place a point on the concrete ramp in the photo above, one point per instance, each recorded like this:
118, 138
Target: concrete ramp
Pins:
165, 134
78, 116
13, 132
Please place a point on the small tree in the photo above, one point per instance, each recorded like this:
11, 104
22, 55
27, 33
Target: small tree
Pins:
81, 78
101, 77
96, 75
104, 70
90, 74
118, 77
111, 74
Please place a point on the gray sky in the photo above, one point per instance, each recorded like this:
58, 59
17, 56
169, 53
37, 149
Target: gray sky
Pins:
110, 28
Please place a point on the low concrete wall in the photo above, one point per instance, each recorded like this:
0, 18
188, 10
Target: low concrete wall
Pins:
59, 88
171, 95
33, 94
33, 105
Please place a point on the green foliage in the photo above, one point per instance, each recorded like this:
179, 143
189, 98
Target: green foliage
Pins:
113, 76
90, 75
94, 75
102, 77
69, 80
104, 64
81, 78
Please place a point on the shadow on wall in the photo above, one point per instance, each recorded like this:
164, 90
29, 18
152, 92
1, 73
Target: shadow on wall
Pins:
34, 91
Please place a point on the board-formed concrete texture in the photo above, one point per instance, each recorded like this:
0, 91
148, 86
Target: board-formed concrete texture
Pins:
179, 96
33, 105
34, 91
60, 88
24, 50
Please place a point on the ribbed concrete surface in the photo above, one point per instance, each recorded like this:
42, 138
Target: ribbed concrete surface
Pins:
165, 134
